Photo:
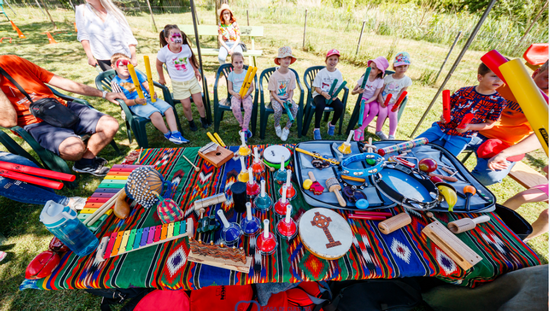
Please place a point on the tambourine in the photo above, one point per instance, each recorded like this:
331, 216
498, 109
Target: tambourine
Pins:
406, 186
376, 166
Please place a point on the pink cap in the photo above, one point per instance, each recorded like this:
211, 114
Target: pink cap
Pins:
332, 52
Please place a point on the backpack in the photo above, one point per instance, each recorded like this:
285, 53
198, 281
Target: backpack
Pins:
379, 294
115, 296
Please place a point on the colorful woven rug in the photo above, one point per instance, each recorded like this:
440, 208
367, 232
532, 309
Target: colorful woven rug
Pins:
403, 253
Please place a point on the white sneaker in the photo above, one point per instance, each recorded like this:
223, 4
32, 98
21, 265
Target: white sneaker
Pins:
284, 136
278, 131
381, 135
391, 137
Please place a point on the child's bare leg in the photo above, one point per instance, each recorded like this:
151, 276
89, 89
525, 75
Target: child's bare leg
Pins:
186, 103
540, 226
158, 122
171, 120
197, 99
527, 196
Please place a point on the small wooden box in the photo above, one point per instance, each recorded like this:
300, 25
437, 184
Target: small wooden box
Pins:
217, 157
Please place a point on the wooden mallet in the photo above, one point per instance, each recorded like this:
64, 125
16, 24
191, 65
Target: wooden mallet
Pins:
334, 186
193, 165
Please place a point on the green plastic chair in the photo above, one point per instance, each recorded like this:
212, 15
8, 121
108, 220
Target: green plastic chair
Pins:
357, 109
265, 111
220, 109
309, 110
48, 158
2, 9
134, 123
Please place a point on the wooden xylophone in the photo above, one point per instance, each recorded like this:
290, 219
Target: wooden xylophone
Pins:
123, 242
111, 184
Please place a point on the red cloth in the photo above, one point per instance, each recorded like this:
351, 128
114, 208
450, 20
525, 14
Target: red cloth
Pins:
492, 147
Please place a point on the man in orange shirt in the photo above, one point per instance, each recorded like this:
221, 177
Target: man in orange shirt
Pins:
512, 129
63, 141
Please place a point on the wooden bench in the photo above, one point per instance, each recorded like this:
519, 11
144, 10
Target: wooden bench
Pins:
212, 30
526, 176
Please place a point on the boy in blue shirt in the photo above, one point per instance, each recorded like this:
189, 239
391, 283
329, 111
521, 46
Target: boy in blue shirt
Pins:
144, 107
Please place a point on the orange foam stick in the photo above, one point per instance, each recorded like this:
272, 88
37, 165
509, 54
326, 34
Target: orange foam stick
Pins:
447, 106
399, 101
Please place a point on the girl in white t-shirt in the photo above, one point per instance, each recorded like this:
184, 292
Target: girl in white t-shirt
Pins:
395, 84
183, 71
321, 87
235, 82
372, 89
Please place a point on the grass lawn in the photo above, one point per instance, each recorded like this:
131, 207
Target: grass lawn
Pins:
26, 236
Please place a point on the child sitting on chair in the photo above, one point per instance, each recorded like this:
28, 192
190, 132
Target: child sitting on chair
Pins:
144, 107
183, 70
321, 88
481, 102
281, 88
235, 81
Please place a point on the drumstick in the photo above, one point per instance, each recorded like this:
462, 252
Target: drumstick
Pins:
102, 209
149, 78
316, 156
31, 179
36, 171
447, 178
193, 165
219, 139
388, 214
136, 81
367, 217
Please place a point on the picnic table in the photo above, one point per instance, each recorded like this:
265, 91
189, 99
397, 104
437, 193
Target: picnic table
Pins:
403, 253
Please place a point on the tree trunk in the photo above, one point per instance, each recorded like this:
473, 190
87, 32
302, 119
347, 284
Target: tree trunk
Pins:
48, 12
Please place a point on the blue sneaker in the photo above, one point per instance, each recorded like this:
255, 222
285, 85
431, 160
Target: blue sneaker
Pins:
317, 134
331, 128
176, 138
248, 134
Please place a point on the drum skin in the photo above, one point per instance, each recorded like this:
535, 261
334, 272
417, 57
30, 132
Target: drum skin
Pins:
42, 265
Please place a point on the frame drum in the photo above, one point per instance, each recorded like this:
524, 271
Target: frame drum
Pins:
325, 233
272, 156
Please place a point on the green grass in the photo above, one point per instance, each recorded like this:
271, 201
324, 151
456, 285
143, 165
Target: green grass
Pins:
26, 236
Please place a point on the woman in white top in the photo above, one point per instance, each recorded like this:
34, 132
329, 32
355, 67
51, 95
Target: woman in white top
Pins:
104, 31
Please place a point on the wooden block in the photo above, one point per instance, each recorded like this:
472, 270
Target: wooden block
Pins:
463, 255
218, 157
396, 222
221, 263
527, 176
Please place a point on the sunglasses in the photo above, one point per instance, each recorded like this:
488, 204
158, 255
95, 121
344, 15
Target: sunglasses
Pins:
122, 62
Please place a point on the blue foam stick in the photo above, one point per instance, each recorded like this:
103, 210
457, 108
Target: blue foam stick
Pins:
336, 92
361, 112
288, 112
365, 78
334, 83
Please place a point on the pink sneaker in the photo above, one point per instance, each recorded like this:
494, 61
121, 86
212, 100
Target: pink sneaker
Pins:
358, 135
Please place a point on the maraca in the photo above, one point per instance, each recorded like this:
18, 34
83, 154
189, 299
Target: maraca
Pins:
469, 191
427, 165
449, 194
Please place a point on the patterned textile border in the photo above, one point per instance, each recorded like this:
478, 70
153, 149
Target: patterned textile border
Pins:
403, 253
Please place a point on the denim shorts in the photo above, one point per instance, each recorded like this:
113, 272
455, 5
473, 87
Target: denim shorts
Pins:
145, 111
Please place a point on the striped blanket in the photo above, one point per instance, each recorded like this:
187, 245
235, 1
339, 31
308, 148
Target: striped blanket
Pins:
403, 253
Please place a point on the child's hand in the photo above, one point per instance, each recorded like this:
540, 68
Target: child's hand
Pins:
198, 75
326, 95
237, 95
140, 101
155, 96
463, 130
442, 119
360, 90
162, 81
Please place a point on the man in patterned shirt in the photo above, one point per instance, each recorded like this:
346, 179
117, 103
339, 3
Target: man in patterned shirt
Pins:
473, 108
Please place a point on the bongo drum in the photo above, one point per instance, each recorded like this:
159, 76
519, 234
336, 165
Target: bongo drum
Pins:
407, 187
325, 233
272, 156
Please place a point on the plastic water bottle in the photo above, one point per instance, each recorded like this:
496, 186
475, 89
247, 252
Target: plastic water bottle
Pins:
62, 222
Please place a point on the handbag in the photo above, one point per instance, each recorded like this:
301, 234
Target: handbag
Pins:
49, 110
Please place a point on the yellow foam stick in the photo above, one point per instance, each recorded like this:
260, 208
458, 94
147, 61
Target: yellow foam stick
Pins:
243, 86
250, 79
212, 137
135, 79
220, 141
529, 98
149, 78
